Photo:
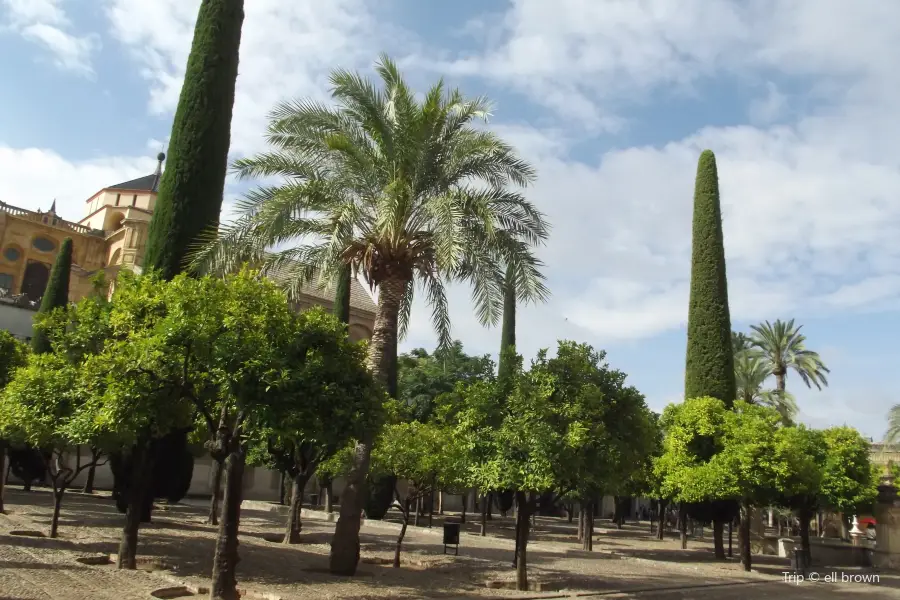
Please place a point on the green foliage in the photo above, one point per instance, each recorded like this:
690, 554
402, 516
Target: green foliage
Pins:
13, 354
326, 397
423, 377
39, 403
427, 455
712, 453
803, 454
56, 294
849, 480
190, 192
695, 431
568, 424
709, 368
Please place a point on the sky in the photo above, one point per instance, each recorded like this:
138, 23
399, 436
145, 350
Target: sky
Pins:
612, 101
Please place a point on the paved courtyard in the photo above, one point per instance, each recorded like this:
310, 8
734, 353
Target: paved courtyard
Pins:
627, 563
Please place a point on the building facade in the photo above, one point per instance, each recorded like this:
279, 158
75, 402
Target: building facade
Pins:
111, 236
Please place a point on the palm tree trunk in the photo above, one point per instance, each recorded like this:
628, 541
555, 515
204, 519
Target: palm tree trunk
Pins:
382, 361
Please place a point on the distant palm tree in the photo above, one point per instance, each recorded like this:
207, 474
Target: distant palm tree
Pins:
751, 373
740, 342
406, 191
893, 431
782, 347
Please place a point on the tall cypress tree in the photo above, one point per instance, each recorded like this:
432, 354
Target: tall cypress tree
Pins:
190, 191
56, 293
709, 369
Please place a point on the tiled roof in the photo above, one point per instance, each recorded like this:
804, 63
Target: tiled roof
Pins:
149, 183
359, 296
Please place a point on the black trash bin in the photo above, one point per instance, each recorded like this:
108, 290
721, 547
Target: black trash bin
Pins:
451, 537
798, 561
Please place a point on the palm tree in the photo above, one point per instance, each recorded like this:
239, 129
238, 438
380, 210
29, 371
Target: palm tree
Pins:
750, 373
740, 342
892, 436
781, 347
408, 193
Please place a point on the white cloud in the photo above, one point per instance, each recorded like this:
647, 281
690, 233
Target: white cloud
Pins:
45, 23
287, 51
33, 178
769, 108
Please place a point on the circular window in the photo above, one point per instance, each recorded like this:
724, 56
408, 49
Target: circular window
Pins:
11, 254
43, 244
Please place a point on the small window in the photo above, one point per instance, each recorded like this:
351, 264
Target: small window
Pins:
134, 200
43, 244
11, 254
6, 281
118, 198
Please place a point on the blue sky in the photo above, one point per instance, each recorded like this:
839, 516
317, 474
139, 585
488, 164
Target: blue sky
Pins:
611, 100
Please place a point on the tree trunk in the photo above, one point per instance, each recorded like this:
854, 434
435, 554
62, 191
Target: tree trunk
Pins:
57, 506
141, 465
484, 511
225, 560
662, 505
382, 362
718, 538
402, 533
682, 524
440, 501
522, 527
570, 511
587, 536
418, 507
281, 490
329, 497
780, 374
490, 506
465, 502
746, 515
294, 522
430, 509
213, 517
345, 542
3, 474
730, 524
805, 517
89, 480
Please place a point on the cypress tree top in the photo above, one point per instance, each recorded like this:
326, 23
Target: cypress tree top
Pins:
190, 192
709, 369
56, 293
